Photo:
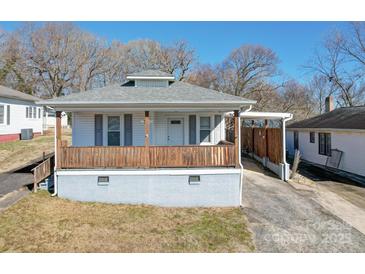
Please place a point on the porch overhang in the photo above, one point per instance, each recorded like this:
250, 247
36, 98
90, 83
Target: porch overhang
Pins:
158, 106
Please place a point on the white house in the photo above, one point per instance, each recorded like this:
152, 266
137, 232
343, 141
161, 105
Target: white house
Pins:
335, 138
152, 140
18, 111
49, 118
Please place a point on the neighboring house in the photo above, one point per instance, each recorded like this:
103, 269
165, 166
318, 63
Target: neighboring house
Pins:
335, 138
152, 140
18, 111
49, 118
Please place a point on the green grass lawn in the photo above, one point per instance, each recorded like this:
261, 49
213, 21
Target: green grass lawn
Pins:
40, 223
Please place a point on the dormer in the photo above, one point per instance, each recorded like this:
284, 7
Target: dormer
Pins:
150, 78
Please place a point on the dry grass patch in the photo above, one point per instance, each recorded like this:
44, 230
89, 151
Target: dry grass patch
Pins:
18, 153
39, 223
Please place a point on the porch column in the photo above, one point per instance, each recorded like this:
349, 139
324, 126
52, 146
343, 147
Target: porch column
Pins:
236, 144
58, 135
147, 136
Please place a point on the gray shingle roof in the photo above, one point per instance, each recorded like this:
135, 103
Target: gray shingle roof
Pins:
15, 94
176, 93
151, 73
341, 118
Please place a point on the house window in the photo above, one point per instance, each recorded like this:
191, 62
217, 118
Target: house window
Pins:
34, 112
312, 137
113, 131
2, 114
30, 112
324, 144
26, 112
205, 129
39, 113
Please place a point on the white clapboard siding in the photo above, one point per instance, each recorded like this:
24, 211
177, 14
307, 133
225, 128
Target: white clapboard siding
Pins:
83, 129
351, 143
18, 120
84, 123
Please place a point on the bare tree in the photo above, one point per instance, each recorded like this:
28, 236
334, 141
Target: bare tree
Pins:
320, 87
204, 76
341, 61
12, 68
245, 68
297, 99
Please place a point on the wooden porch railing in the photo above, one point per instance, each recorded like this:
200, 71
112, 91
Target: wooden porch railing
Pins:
147, 156
41, 172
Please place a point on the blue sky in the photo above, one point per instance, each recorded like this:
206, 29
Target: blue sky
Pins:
293, 42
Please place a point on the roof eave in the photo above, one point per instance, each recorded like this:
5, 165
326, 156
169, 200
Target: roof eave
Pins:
162, 105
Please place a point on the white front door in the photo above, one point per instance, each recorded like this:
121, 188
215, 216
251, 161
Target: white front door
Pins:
175, 131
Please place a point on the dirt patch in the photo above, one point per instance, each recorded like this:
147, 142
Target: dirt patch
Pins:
39, 223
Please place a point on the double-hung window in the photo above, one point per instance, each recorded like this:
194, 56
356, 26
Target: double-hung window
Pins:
324, 144
205, 129
34, 112
113, 130
311, 137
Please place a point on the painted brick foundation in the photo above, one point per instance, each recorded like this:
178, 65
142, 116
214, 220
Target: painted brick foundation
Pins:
14, 137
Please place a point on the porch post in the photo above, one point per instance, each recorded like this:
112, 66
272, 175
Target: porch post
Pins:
147, 136
236, 139
58, 134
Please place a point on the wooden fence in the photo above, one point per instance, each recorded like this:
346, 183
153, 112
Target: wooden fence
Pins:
146, 156
264, 142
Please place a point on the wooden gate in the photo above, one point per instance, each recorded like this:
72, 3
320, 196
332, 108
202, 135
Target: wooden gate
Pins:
264, 142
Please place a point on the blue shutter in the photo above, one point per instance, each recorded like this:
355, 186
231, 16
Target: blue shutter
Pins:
192, 129
98, 129
128, 130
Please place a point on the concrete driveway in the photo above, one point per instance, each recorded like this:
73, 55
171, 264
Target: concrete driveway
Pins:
284, 219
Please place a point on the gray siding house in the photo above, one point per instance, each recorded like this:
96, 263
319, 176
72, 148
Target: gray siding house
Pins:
151, 140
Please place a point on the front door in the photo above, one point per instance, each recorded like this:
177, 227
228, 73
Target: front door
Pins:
175, 131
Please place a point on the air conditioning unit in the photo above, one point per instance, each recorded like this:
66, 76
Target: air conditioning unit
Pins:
26, 134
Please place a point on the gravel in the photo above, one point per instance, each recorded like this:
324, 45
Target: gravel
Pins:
283, 219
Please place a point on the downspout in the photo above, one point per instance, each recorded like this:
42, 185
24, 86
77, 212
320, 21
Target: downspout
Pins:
55, 186
286, 170
239, 153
